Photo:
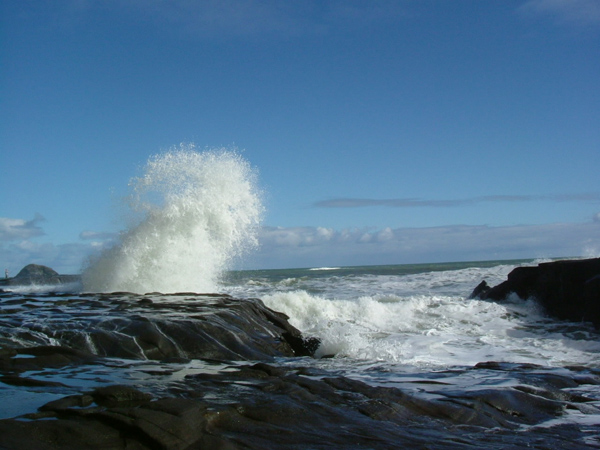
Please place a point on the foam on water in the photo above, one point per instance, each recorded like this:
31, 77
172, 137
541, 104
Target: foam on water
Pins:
424, 320
29, 289
432, 331
199, 210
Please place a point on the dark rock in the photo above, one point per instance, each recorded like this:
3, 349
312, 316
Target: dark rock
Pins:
62, 434
15, 380
41, 357
66, 403
300, 345
480, 291
119, 395
38, 274
281, 407
185, 327
568, 290
167, 423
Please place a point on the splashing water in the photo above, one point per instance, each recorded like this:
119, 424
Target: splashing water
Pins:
199, 210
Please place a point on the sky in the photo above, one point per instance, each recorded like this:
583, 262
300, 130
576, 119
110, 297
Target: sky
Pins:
383, 132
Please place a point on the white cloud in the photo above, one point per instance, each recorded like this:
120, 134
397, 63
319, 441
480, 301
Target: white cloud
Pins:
16, 229
64, 258
385, 235
297, 236
306, 247
576, 12
320, 246
365, 237
18, 248
325, 233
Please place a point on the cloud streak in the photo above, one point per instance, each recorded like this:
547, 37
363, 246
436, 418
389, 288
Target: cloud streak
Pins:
18, 246
416, 203
18, 229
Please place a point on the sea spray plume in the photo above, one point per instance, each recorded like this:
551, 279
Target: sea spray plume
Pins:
199, 210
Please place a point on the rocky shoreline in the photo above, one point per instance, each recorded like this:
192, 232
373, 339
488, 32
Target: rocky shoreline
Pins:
258, 406
216, 372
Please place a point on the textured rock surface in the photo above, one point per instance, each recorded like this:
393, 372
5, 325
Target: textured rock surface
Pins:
152, 326
263, 406
191, 371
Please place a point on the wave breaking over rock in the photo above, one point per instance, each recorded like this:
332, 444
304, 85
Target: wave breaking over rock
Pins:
197, 212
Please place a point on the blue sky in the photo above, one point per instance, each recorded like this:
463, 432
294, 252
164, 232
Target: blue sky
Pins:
383, 131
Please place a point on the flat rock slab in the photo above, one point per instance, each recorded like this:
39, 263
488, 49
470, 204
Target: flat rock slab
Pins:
259, 406
59, 328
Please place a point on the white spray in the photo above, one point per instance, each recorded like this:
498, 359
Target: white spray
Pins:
199, 211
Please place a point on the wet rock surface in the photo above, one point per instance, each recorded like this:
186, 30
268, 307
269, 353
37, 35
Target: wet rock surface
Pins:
189, 371
153, 326
568, 290
258, 406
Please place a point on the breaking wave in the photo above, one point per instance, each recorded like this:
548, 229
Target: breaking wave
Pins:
197, 212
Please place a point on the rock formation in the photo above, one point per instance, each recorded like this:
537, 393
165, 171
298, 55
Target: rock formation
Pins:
567, 289
262, 406
39, 275
153, 326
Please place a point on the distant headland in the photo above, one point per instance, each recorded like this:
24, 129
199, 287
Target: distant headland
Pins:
39, 275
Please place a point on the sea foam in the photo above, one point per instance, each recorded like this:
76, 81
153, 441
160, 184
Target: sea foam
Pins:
431, 330
197, 212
